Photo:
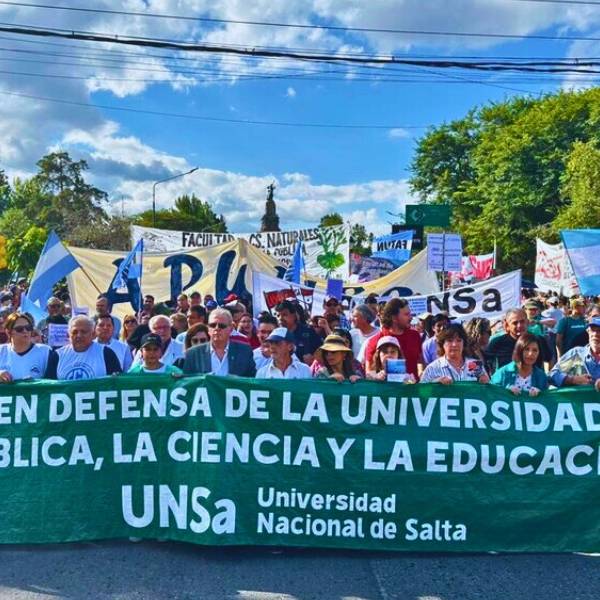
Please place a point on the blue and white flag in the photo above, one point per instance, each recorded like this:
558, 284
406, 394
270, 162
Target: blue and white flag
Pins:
130, 267
583, 249
54, 263
296, 268
395, 247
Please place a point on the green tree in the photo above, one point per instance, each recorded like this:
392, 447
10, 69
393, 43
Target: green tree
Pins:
189, 214
4, 191
360, 240
331, 219
24, 251
505, 180
581, 187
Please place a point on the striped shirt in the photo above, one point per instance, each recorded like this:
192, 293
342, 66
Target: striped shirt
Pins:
440, 367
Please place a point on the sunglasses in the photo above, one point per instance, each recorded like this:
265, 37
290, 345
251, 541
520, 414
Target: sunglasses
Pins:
198, 340
53, 305
23, 328
219, 325
130, 322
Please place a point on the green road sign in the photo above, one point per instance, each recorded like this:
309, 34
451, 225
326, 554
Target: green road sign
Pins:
434, 215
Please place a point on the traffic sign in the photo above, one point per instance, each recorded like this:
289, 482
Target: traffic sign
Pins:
434, 215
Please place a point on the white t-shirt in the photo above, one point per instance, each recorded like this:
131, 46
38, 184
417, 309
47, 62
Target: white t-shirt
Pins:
81, 365
297, 370
358, 342
30, 365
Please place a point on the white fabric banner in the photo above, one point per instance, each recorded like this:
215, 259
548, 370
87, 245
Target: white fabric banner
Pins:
326, 250
489, 299
553, 271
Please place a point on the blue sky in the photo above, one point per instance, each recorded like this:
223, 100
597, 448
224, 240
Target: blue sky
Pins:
360, 173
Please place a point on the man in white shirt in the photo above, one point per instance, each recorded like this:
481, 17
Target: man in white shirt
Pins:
172, 349
362, 319
83, 358
104, 335
284, 363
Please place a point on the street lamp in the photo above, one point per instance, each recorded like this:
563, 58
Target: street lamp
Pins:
163, 181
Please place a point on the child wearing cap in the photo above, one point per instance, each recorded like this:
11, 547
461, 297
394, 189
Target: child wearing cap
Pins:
388, 347
151, 353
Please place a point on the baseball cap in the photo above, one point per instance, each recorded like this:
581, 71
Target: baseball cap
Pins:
593, 322
280, 334
531, 304
552, 300
151, 339
210, 304
230, 298
388, 339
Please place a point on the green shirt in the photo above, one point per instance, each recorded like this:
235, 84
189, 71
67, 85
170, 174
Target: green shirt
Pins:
167, 369
570, 328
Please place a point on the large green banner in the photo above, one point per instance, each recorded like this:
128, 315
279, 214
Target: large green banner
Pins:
300, 463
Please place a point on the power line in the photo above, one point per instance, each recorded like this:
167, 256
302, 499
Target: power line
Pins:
337, 58
213, 119
315, 26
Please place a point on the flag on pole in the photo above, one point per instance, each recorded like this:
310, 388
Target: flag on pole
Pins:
294, 271
130, 267
55, 262
482, 265
583, 248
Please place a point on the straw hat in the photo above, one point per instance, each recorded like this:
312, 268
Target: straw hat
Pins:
332, 343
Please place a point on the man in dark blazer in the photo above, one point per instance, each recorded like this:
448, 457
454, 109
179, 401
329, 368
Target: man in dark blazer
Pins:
220, 356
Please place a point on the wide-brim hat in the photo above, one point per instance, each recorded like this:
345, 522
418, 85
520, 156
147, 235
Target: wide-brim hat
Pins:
332, 343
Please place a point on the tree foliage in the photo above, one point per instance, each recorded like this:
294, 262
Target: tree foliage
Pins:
331, 219
503, 168
189, 214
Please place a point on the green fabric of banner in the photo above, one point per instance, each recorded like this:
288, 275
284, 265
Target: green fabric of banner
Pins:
220, 461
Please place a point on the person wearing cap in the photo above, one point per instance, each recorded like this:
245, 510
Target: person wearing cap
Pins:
284, 363
429, 347
332, 306
151, 352
395, 320
580, 365
221, 356
82, 358
533, 310
388, 347
570, 327
521, 375
583, 339
337, 360
363, 330
554, 313
453, 364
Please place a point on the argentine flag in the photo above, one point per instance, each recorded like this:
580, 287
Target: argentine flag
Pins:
583, 248
55, 262
294, 271
130, 267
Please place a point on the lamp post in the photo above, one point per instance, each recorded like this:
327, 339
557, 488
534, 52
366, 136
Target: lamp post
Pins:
163, 181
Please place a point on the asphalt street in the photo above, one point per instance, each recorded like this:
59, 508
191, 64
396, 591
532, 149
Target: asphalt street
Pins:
152, 570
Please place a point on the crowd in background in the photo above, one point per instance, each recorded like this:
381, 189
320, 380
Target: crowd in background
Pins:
548, 341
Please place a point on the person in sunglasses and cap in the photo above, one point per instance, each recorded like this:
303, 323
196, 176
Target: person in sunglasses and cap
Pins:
221, 355
21, 358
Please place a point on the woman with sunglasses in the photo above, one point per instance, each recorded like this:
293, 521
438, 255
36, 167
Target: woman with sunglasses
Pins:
20, 358
196, 334
129, 326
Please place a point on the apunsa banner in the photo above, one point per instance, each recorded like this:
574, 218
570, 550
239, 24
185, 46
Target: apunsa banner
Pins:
489, 299
326, 249
221, 461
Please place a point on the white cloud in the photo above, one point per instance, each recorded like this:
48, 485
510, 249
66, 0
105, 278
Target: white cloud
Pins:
290, 92
398, 133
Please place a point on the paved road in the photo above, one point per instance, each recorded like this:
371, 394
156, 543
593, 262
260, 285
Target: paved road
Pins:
149, 570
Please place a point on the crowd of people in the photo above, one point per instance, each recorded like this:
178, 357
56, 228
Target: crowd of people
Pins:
549, 341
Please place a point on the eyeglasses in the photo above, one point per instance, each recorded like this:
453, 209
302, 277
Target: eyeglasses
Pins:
198, 340
219, 325
23, 328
